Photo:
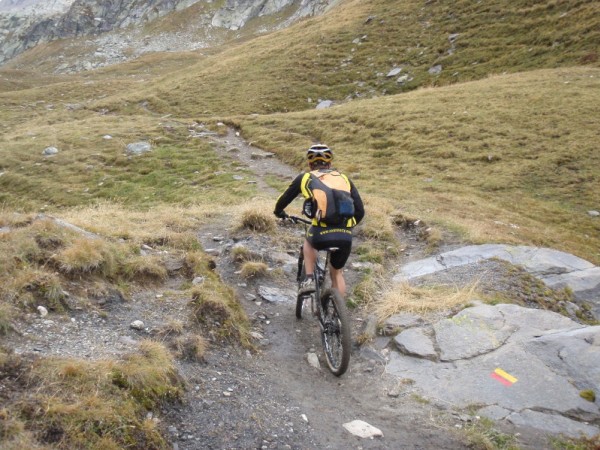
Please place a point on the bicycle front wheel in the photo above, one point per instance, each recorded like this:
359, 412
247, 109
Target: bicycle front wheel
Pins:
335, 332
301, 298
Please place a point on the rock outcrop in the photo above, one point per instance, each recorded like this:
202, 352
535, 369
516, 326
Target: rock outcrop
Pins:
27, 23
526, 366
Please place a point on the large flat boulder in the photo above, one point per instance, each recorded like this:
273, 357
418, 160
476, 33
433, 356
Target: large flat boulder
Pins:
522, 365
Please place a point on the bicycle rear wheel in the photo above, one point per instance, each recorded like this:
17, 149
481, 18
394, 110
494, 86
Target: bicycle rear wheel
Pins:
335, 332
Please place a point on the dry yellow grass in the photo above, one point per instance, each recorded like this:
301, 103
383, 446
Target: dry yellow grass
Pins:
91, 404
402, 297
87, 255
253, 269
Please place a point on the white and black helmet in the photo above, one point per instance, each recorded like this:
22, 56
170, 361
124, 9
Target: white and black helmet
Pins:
319, 152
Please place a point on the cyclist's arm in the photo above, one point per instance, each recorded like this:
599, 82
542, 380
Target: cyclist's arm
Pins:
288, 196
359, 208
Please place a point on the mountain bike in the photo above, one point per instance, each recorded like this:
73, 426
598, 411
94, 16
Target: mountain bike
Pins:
328, 306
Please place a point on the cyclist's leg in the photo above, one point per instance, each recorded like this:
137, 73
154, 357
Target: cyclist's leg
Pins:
310, 258
337, 280
337, 262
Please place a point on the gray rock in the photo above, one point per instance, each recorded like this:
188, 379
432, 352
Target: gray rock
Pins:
324, 104
494, 412
42, 310
416, 342
362, 429
584, 283
198, 280
50, 151
404, 79
573, 354
551, 423
472, 332
137, 325
283, 258
594, 213
394, 72
274, 295
544, 353
452, 37
138, 148
261, 155
435, 70
404, 320
313, 360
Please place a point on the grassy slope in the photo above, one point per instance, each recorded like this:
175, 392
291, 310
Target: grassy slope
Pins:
318, 59
499, 158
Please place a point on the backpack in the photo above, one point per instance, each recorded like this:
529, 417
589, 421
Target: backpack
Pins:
328, 197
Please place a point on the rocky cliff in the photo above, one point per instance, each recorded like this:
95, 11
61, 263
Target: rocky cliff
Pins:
27, 23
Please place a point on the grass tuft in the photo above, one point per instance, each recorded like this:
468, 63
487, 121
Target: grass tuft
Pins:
71, 403
258, 221
588, 394
253, 269
403, 297
215, 306
190, 347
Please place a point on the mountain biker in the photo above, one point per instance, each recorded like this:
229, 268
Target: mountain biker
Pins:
321, 235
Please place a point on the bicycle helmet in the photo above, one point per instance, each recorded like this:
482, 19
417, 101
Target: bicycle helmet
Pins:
319, 152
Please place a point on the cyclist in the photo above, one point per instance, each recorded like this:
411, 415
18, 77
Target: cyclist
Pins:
321, 235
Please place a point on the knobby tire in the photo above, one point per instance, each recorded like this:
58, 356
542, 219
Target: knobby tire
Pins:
336, 334
300, 298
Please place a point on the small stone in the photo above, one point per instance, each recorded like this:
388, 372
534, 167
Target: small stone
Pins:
197, 280
324, 104
137, 148
49, 151
593, 213
362, 429
137, 325
42, 310
394, 72
256, 335
435, 70
313, 360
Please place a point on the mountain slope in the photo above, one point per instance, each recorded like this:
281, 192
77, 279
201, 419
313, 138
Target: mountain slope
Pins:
348, 53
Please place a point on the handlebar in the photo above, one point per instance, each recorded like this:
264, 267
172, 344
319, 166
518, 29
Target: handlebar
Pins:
296, 219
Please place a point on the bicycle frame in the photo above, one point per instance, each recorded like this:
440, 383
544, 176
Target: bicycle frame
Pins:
320, 273
328, 305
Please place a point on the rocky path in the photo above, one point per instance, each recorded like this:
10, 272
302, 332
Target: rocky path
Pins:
385, 388
275, 398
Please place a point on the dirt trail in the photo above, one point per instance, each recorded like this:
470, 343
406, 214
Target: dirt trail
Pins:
275, 399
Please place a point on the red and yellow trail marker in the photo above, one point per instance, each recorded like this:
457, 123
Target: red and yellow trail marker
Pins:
503, 377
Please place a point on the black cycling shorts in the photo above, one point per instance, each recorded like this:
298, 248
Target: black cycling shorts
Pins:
323, 238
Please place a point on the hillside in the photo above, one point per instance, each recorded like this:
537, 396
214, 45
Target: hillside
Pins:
486, 132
